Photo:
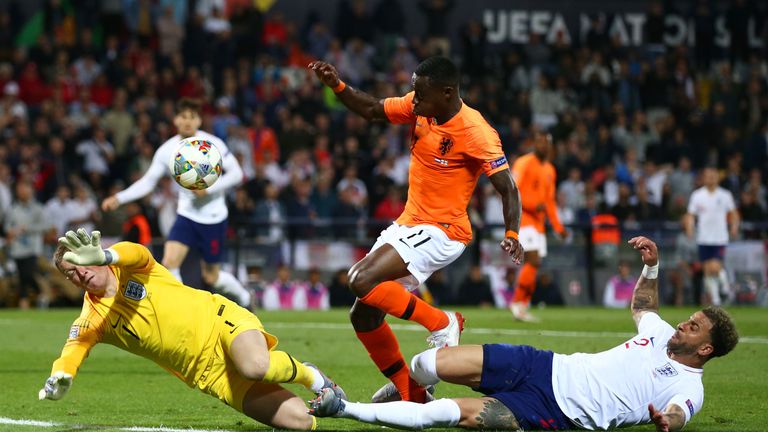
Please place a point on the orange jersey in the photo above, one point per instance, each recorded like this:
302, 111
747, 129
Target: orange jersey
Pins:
536, 181
446, 161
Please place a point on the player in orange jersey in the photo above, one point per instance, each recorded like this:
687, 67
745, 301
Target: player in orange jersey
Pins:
536, 178
451, 145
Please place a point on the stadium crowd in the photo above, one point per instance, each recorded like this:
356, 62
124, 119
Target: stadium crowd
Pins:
88, 98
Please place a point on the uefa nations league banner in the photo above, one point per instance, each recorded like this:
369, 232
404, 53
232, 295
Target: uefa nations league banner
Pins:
513, 21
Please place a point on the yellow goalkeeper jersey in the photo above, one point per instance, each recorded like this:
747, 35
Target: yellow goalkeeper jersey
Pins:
152, 315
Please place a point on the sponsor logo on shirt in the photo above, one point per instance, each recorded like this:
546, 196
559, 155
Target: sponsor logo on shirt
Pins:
498, 162
690, 405
667, 370
135, 291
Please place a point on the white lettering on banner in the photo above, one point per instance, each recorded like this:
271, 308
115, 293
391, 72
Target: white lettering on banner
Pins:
636, 21
518, 27
722, 36
558, 28
540, 22
496, 23
618, 29
515, 26
675, 30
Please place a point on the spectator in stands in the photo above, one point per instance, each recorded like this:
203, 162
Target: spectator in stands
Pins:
475, 289
136, 227
269, 216
58, 208
618, 290
284, 293
318, 297
25, 225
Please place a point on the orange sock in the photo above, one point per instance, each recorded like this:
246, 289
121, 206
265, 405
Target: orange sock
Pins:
384, 350
526, 284
394, 299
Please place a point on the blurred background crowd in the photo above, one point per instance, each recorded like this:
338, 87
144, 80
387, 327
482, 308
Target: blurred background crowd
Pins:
88, 90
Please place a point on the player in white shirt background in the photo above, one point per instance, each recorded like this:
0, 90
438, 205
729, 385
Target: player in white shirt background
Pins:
713, 211
201, 220
654, 377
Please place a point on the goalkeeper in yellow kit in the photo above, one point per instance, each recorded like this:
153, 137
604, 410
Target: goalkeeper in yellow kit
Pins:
207, 341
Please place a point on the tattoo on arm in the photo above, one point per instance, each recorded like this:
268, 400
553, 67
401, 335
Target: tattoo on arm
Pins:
496, 416
675, 417
645, 297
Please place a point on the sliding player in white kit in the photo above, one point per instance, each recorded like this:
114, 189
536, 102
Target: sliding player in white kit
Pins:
201, 220
654, 377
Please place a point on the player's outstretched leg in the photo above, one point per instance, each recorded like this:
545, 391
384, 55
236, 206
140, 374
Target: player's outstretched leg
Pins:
276, 406
404, 415
380, 342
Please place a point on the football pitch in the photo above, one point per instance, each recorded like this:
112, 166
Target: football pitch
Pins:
117, 391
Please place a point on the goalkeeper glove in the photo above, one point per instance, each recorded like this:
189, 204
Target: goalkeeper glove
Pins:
56, 386
85, 249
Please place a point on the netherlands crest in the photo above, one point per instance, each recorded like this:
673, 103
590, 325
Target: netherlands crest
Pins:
446, 144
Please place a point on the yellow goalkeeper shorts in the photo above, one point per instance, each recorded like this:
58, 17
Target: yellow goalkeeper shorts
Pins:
221, 378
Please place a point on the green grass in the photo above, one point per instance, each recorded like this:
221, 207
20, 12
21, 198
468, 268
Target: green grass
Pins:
117, 389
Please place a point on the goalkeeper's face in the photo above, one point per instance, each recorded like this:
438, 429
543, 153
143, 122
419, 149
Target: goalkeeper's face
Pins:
93, 279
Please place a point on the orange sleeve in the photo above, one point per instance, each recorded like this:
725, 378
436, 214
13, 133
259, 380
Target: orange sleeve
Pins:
399, 110
551, 203
134, 257
85, 332
529, 200
485, 146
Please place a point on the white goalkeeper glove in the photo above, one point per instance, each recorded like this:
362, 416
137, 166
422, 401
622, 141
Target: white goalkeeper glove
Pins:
85, 249
56, 386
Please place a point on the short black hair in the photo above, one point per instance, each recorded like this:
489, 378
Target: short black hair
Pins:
440, 70
724, 335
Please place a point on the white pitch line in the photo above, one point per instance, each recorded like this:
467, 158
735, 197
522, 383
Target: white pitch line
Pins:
24, 422
761, 340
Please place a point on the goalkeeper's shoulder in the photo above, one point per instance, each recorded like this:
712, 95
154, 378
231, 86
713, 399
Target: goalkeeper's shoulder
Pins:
129, 254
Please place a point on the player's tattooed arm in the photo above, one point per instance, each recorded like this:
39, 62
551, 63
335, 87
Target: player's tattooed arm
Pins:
645, 297
496, 416
671, 420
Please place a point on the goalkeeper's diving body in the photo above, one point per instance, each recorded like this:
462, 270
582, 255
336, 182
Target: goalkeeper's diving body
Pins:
654, 377
207, 341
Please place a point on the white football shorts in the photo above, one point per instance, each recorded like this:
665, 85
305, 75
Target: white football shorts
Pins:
533, 240
425, 248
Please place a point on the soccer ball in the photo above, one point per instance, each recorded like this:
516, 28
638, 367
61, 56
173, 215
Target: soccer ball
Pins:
196, 164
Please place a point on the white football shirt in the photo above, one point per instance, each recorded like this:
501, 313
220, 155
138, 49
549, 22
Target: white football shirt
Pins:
613, 388
711, 211
209, 209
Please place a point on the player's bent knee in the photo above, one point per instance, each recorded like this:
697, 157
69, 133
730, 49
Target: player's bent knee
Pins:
254, 369
365, 318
